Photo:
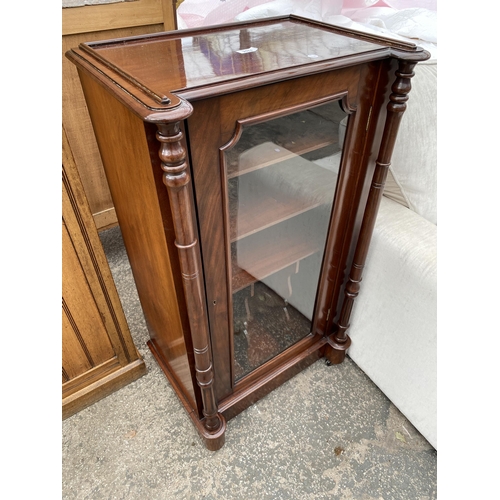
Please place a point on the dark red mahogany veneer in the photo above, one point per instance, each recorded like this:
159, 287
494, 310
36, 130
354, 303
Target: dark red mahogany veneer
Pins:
178, 117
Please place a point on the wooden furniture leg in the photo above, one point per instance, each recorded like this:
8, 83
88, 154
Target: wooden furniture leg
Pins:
340, 342
177, 179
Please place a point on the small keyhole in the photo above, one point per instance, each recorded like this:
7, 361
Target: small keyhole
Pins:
215, 302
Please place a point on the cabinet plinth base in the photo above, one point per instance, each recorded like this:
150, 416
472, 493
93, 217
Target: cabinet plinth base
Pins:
213, 441
247, 395
335, 351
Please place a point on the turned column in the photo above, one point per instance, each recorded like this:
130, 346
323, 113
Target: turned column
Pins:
395, 109
177, 180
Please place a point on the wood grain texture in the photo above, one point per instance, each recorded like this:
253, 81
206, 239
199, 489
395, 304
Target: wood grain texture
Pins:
103, 384
145, 218
91, 23
76, 358
212, 126
91, 18
395, 109
239, 56
96, 340
220, 55
177, 180
80, 133
82, 317
86, 252
350, 196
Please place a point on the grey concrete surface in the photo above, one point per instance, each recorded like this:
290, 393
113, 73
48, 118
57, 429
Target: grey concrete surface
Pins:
327, 433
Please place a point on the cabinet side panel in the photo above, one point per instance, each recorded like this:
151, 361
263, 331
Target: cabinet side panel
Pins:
123, 145
76, 118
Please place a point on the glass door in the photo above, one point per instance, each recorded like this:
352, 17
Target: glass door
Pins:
281, 180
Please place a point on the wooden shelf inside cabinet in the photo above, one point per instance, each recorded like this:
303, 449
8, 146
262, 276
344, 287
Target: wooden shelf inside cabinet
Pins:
297, 126
268, 196
215, 141
276, 262
258, 256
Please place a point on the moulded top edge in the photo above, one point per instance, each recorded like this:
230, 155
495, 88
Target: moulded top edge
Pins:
162, 63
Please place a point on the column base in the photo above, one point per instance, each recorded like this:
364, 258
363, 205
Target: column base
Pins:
335, 351
213, 441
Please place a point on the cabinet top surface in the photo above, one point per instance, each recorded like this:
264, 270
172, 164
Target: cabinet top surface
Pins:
185, 61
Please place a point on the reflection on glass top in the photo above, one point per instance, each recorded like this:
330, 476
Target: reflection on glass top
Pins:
223, 55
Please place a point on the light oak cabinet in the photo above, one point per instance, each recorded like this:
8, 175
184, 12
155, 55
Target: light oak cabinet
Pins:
98, 354
91, 23
246, 163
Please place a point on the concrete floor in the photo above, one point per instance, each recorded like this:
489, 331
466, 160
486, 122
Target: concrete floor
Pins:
327, 433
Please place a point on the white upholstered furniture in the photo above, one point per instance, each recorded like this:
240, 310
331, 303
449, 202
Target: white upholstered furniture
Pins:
394, 321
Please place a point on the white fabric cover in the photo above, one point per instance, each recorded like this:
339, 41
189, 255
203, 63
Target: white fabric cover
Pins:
394, 320
414, 161
412, 176
414, 22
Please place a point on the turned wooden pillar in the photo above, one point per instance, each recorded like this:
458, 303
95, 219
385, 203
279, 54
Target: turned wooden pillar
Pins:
395, 109
177, 180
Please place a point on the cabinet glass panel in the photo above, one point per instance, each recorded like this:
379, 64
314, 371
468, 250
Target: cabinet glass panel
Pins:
282, 175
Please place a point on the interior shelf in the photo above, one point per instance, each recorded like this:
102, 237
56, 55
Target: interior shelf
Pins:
265, 212
267, 256
281, 181
280, 131
277, 152
269, 196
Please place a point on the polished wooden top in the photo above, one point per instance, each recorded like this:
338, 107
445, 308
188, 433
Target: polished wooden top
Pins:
208, 58
202, 62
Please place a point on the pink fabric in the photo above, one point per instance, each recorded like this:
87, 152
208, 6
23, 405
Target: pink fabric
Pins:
194, 13
406, 4
208, 12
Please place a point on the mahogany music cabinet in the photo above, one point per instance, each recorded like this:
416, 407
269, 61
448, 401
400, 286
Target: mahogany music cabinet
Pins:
246, 163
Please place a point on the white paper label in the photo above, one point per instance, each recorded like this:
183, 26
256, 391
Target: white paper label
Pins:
246, 51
